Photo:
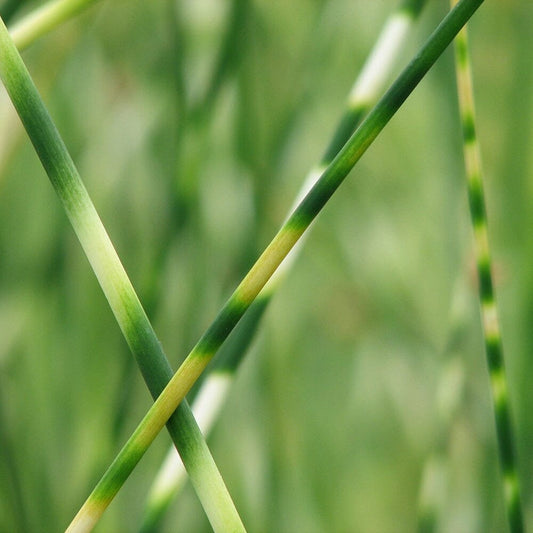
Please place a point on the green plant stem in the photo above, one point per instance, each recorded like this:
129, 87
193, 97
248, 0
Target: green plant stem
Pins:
44, 19
365, 92
269, 261
489, 314
206, 406
115, 283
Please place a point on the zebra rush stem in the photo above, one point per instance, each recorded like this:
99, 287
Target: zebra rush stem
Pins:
270, 259
206, 406
117, 287
490, 323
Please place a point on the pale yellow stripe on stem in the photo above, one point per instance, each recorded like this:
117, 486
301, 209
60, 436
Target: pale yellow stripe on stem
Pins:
481, 239
499, 387
86, 518
267, 264
173, 394
278, 276
490, 321
510, 485
465, 80
473, 163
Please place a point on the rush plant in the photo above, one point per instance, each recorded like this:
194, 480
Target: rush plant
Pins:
193, 202
489, 311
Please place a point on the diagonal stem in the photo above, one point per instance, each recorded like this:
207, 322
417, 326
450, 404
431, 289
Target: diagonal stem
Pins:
114, 281
271, 258
208, 403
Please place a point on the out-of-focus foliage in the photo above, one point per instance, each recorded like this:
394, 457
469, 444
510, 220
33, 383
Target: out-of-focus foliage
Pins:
192, 156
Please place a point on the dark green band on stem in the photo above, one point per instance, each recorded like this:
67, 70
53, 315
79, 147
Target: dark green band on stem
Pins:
505, 444
233, 350
476, 201
344, 131
514, 510
469, 129
427, 522
222, 326
143, 344
485, 282
108, 486
494, 354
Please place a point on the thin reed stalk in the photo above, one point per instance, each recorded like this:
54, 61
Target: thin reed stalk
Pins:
489, 314
270, 260
115, 283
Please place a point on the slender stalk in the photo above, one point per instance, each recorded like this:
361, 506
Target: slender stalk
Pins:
44, 19
206, 406
269, 261
212, 394
115, 283
489, 314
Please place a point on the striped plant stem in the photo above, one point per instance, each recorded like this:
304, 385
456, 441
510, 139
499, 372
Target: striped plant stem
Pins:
271, 258
44, 19
114, 281
490, 323
213, 391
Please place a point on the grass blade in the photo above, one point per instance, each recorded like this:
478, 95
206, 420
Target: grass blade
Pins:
489, 314
114, 281
272, 257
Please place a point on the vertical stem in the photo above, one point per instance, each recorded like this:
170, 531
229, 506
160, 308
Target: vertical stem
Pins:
490, 323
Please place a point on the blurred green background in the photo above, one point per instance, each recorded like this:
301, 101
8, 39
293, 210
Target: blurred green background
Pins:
192, 146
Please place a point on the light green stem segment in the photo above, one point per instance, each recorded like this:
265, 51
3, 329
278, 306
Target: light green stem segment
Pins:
365, 92
489, 314
44, 19
274, 254
116, 286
